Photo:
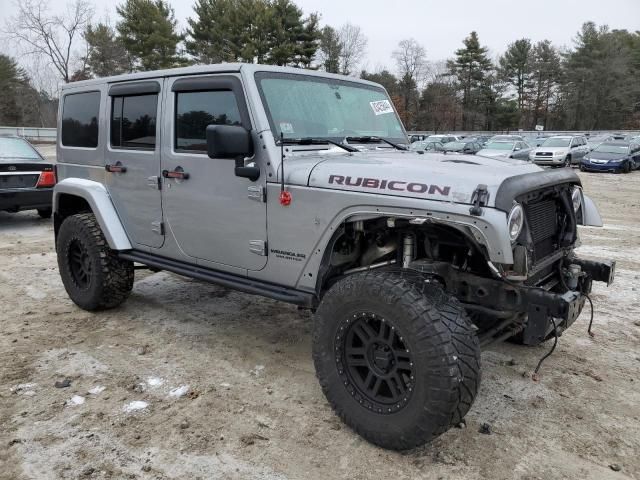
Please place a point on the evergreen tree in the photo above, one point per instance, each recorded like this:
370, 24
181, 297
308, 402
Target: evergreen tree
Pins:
148, 31
471, 67
330, 50
515, 68
106, 54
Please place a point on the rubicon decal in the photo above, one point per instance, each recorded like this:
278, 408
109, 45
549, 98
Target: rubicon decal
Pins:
394, 185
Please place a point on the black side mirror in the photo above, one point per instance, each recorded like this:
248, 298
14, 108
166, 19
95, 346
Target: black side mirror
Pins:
229, 142
232, 142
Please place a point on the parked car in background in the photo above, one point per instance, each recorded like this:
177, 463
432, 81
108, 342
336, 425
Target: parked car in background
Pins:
536, 141
594, 140
560, 150
462, 146
506, 138
616, 156
26, 179
425, 146
518, 150
442, 138
481, 139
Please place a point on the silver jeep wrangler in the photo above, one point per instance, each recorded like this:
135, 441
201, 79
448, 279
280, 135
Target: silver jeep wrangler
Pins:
297, 185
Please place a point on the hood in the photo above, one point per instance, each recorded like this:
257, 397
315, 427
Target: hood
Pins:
450, 177
488, 152
607, 156
554, 150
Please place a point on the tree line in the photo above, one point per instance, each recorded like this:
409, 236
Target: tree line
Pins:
592, 85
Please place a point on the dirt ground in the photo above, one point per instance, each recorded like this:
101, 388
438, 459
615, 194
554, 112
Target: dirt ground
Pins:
189, 380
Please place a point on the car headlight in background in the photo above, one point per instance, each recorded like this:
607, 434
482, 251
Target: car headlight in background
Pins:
576, 198
515, 221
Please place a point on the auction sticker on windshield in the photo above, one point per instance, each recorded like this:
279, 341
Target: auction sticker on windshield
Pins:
381, 107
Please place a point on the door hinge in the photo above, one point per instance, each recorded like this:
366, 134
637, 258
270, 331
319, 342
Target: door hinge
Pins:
259, 247
257, 193
158, 227
480, 198
155, 182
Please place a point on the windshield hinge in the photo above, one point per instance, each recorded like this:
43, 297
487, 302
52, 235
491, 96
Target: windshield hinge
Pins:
480, 198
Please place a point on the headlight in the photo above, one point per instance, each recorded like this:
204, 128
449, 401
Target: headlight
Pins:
515, 221
576, 198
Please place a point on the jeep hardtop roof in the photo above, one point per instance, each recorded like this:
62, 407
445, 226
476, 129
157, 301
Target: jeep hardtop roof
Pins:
248, 68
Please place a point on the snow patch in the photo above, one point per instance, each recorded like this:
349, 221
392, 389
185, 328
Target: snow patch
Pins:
179, 391
134, 406
155, 381
96, 390
75, 400
23, 388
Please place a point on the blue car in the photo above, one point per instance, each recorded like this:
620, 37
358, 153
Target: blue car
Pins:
614, 156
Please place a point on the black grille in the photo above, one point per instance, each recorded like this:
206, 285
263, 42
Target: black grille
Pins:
542, 218
544, 154
18, 181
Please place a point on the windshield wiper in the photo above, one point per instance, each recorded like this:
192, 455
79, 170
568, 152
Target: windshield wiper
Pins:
318, 141
368, 139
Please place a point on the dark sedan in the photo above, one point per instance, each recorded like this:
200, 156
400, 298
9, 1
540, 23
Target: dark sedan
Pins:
462, 147
618, 157
26, 179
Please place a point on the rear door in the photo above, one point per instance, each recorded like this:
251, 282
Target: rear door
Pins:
132, 159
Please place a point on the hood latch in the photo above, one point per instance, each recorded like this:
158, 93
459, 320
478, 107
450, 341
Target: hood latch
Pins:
480, 198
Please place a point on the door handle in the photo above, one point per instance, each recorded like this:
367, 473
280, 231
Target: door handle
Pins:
117, 168
178, 173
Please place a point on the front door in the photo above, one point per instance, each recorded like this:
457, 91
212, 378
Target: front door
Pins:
212, 214
132, 159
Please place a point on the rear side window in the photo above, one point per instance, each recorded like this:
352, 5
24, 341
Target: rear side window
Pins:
196, 110
80, 113
133, 121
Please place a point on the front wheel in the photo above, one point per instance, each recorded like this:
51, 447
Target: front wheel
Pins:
398, 360
93, 275
567, 161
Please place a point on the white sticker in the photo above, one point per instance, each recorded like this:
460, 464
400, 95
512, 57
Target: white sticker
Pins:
381, 107
286, 127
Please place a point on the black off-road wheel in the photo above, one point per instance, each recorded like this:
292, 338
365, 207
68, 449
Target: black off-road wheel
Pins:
93, 275
398, 360
44, 212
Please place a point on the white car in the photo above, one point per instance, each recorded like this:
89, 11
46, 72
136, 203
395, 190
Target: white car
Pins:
560, 150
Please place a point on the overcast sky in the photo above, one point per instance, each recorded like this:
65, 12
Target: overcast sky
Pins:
438, 25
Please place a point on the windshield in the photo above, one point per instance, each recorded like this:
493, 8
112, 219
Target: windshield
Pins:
604, 148
17, 148
303, 106
499, 146
556, 142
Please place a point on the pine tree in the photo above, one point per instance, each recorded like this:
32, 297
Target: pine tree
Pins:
148, 31
106, 54
515, 68
471, 67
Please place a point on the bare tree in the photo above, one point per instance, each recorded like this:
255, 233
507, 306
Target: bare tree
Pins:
411, 60
353, 47
51, 36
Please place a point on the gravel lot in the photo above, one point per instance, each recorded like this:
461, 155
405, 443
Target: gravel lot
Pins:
189, 380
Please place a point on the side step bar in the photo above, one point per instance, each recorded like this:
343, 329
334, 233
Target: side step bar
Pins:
225, 279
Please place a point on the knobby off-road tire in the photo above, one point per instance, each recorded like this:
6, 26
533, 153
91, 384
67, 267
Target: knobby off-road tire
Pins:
433, 360
93, 275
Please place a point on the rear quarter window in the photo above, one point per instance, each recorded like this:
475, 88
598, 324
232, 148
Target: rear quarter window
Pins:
80, 114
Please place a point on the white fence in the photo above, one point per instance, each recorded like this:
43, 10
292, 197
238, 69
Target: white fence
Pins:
31, 133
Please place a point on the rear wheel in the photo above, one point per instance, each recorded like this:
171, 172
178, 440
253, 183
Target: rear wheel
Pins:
93, 275
399, 361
